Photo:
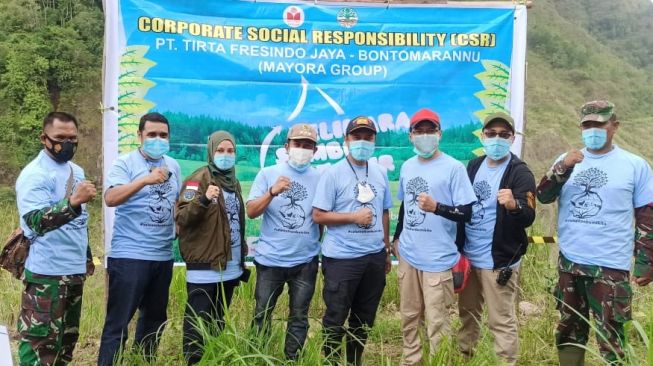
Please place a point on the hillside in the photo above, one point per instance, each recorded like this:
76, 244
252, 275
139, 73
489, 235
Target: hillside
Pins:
580, 50
50, 55
583, 50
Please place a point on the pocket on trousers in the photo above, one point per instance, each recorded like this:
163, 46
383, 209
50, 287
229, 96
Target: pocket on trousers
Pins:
443, 283
36, 315
441, 279
621, 301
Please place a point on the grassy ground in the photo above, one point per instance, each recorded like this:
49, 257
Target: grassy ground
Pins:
237, 346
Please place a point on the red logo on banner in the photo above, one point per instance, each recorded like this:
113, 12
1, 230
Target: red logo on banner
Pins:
293, 16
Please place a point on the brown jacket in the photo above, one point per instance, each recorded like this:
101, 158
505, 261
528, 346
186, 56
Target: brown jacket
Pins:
204, 232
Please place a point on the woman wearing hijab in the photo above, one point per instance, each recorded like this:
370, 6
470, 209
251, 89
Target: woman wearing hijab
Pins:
211, 223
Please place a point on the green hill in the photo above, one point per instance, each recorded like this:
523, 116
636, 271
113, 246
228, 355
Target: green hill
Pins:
580, 50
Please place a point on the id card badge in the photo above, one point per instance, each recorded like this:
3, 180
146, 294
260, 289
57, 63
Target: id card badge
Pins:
365, 193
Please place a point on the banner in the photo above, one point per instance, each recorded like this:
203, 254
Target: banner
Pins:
256, 68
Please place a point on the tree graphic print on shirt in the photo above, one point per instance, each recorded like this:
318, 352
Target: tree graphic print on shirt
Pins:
483, 191
414, 215
588, 203
369, 205
292, 214
159, 206
232, 207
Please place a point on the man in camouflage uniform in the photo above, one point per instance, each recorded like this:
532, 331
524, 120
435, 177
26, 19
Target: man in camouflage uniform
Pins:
51, 194
598, 188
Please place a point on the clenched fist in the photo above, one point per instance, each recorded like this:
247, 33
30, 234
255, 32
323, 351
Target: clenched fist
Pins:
212, 192
572, 158
156, 176
506, 199
363, 217
84, 192
281, 185
426, 203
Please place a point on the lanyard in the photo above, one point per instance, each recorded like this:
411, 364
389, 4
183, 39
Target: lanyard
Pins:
352, 169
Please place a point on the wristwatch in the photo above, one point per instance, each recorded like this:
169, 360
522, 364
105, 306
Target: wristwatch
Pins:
559, 168
519, 207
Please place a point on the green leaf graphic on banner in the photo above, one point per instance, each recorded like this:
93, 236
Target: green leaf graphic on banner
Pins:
132, 88
495, 96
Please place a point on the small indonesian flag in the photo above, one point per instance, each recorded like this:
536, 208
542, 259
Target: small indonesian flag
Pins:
193, 185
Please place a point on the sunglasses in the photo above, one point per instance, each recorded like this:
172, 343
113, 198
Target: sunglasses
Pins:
502, 134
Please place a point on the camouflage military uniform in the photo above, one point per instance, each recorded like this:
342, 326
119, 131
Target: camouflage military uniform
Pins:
605, 292
48, 322
49, 318
600, 235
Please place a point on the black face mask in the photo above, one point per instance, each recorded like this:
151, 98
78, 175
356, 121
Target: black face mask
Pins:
61, 151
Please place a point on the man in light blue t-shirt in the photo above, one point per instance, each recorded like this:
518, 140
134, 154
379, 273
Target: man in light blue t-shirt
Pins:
435, 193
598, 189
352, 200
51, 193
144, 187
495, 239
289, 244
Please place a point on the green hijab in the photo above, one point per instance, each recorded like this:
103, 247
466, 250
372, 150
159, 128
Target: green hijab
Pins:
225, 178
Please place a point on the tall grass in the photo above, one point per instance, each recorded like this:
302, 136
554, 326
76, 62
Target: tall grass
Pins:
237, 345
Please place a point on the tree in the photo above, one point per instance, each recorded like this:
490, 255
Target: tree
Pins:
414, 215
292, 214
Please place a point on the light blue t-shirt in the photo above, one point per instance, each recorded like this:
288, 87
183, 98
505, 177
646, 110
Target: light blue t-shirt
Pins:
61, 251
480, 230
144, 225
289, 236
596, 208
428, 241
337, 192
234, 269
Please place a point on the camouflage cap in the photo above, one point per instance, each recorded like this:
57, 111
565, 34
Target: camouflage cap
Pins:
596, 110
302, 131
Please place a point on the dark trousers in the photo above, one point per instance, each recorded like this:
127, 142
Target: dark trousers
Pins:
270, 282
135, 284
352, 289
205, 309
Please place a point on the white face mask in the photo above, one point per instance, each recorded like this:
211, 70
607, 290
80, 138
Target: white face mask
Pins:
300, 159
426, 145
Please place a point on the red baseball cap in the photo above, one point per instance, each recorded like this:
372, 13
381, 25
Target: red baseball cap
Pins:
425, 114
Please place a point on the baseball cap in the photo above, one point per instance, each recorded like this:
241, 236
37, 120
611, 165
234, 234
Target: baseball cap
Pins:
596, 110
302, 131
500, 116
425, 114
358, 123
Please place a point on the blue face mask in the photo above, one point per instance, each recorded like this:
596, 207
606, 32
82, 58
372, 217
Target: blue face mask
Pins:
361, 150
496, 148
156, 147
224, 161
595, 138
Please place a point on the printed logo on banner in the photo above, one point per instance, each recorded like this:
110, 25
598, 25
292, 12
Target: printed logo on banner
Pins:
293, 16
347, 17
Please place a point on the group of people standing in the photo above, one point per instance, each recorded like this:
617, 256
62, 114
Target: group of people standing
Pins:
449, 216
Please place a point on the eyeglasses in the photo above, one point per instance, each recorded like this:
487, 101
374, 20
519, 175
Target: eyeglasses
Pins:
493, 134
425, 132
58, 141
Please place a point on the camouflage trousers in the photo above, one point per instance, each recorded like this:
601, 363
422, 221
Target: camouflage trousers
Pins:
604, 292
49, 319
